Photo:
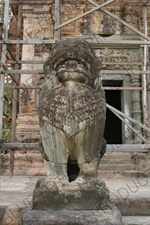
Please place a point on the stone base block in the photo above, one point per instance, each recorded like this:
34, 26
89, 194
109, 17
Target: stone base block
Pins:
85, 193
110, 216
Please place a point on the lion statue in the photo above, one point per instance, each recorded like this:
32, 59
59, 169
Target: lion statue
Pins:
72, 110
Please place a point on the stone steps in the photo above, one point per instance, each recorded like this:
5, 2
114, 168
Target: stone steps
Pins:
117, 155
116, 161
131, 206
114, 167
6, 217
136, 220
118, 165
120, 174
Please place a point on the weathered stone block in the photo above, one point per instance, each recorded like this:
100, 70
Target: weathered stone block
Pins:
83, 194
110, 216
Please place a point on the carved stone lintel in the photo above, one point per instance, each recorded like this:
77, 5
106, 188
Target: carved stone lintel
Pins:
116, 56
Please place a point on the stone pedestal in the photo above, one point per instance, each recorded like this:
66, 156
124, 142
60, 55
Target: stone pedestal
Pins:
110, 216
83, 201
56, 193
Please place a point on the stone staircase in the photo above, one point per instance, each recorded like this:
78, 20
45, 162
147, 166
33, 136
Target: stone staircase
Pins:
114, 165
119, 165
136, 220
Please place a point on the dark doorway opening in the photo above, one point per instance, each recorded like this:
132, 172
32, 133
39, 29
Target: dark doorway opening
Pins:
113, 129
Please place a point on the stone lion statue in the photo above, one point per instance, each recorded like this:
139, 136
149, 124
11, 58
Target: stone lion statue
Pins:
72, 110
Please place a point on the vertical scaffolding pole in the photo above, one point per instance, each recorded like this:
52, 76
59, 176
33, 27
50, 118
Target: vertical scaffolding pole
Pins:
3, 59
57, 20
15, 91
144, 77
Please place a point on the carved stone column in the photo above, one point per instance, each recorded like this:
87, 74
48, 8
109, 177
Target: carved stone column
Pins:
136, 106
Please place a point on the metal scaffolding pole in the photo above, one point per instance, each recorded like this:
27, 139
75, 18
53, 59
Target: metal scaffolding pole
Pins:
15, 91
44, 2
93, 40
110, 147
2, 76
105, 88
57, 19
110, 72
144, 76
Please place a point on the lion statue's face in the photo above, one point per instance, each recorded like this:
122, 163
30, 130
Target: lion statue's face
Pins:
72, 70
73, 60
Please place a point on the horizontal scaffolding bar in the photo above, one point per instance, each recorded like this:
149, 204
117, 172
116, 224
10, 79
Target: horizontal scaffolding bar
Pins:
110, 148
89, 39
105, 88
125, 72
23, 87
113, 88
21, 71
118, 72
122, 63
64, 2
50, 41
27, 62
30, 2
128, 148
42, 62
19, 146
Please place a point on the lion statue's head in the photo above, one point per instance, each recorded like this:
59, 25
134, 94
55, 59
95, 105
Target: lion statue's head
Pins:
73, 59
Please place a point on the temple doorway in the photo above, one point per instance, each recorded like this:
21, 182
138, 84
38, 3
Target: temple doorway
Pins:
113, 128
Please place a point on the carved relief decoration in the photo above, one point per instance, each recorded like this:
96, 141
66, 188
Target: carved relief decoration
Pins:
118, 56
